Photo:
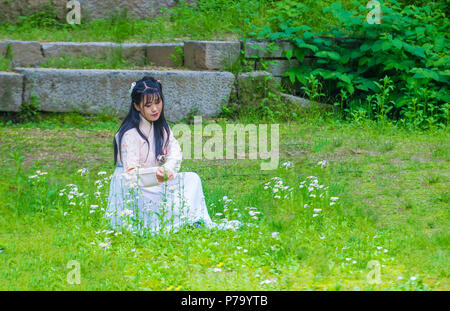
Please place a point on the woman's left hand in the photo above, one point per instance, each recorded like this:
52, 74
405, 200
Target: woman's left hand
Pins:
161, 171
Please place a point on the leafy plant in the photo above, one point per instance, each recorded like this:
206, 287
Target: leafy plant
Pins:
5, 61
29, 111
382, 104
178, 57
313, 90
47, 17
410, 46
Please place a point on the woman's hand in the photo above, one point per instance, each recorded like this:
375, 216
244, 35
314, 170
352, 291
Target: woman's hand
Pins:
160, 171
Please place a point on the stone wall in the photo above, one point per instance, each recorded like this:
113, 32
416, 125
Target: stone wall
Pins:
10, 11
33, 53
202, 85
97, 91
90, 9
197, 55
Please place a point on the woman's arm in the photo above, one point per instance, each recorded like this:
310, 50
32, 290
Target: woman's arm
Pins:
133, 173
174, 155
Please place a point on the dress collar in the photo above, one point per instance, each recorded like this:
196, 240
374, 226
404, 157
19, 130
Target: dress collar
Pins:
145, 126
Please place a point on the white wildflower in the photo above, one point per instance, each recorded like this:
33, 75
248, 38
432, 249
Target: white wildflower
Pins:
106, 244
82, 171
287, 164
322, 163
267, 281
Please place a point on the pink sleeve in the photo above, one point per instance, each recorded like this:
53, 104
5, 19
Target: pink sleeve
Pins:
174, 155
130, 148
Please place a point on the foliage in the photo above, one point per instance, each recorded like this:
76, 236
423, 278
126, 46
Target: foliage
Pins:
410, 46
178, 57
47, 17
5, 62
199, 20
29, 111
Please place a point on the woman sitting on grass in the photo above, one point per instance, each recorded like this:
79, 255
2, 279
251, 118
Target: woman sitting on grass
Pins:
147, 192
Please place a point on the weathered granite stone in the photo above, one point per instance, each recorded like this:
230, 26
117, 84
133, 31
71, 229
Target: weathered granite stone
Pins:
90, 9
159, 54
277, 67
263, 50
303, 102
95, 91
131, 52
10, 11
26, 53
210, 55
3, 48
98, 50
135, 8
11, 85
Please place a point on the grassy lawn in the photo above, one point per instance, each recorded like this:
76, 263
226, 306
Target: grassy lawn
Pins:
389, 188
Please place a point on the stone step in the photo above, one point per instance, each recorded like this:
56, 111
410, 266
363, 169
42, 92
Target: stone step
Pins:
34, 53
89, 9
191, 54
11, 91
96, 91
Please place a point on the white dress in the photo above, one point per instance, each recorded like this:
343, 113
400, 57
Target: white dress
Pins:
137, 202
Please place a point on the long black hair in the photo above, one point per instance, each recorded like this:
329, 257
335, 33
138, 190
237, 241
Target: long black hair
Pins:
144, 89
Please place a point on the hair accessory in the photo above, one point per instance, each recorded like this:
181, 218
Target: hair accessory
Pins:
148, 87
132, 87
161, 159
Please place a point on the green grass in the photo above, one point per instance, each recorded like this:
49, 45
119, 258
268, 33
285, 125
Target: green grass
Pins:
4, 64
392, 186
87, 63
210, 20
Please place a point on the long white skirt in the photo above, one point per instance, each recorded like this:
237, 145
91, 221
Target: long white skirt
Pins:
164, 207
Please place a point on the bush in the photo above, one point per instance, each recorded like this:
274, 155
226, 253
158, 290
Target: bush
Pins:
409, 46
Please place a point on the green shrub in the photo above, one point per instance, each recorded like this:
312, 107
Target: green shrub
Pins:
47, 17
409, 46
29, 111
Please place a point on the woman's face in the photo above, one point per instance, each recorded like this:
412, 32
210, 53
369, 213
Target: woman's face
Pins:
150, 108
